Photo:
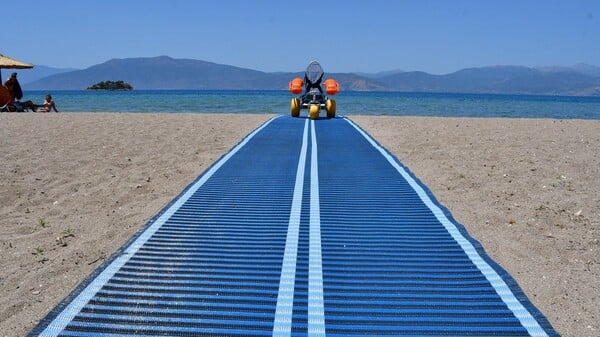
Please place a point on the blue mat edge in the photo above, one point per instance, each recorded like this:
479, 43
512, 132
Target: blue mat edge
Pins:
510, 281
44, 322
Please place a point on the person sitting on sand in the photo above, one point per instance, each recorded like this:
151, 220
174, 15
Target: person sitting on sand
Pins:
24, 106
13, 86
48, 105
8, 103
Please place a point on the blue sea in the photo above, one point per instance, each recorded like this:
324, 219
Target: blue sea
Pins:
348, 103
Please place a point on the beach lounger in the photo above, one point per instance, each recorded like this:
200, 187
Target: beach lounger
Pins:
8, 108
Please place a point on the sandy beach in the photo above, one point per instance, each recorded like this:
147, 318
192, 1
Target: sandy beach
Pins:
76, 186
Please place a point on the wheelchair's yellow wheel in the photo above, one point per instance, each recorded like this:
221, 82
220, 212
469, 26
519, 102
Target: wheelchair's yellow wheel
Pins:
330, 107
313, 111
295, 107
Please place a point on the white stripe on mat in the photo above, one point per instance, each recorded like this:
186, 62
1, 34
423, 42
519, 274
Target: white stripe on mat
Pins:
316, 311
282, 325
502, 289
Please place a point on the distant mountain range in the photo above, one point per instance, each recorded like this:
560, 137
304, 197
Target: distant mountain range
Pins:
164, 72
37, 73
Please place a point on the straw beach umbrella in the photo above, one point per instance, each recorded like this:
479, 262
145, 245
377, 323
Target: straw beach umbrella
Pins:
10, 63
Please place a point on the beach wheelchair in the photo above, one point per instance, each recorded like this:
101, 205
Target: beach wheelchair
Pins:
313, 98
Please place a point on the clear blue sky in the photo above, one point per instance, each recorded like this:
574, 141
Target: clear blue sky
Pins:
345, 36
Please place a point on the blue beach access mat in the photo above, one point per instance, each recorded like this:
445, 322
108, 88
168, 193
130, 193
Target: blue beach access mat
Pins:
305, 228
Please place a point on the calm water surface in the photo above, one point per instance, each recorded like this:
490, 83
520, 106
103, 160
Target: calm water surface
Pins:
348, 103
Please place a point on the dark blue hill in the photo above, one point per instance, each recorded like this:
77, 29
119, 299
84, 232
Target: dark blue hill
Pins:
499, 80
164, 72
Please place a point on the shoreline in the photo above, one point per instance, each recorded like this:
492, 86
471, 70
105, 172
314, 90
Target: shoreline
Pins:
354, 103
80, 184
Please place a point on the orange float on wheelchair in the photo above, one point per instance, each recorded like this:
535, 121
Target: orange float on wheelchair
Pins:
332, 87
295, 86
